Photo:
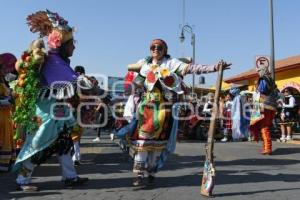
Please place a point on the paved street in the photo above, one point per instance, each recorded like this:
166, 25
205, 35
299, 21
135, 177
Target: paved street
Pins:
242, 173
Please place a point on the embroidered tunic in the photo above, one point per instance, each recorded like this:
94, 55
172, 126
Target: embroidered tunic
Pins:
163, 85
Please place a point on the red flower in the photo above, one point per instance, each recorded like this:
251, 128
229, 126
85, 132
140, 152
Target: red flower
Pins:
24, 56
169, 80
151, 77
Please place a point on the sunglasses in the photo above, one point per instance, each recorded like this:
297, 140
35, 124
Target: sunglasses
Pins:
157, 47
71, 41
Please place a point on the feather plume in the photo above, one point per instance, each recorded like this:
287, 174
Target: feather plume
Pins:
39, 22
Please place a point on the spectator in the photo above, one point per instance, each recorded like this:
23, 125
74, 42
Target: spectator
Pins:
207, 109
7, 149
287, 116
227, 117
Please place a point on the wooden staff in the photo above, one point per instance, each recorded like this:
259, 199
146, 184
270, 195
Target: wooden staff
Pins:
209, 172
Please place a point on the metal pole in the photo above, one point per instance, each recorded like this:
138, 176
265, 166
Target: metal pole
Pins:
193, 43
272, 64
183, 12
190, 30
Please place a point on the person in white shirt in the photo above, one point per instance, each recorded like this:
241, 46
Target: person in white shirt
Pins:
227, 117
207, 109
288, 115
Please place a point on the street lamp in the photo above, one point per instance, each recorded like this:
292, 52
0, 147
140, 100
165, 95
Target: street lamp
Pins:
189, 29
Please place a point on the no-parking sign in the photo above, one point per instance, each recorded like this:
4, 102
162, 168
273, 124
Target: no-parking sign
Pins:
262, 61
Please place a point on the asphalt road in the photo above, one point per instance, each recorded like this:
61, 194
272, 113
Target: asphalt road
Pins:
242, 173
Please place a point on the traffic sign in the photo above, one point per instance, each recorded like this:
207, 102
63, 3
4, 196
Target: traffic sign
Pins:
262, 61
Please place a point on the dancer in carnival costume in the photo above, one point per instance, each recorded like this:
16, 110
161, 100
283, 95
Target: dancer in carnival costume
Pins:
7, 146
46, 82
155, 135
265, 103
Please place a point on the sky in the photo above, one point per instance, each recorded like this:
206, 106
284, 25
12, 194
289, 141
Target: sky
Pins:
111, 34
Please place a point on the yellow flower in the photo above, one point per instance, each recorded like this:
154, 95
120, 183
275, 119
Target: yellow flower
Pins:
154, 67
164, 72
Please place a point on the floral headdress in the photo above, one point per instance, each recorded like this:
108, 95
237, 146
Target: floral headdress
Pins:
50, 24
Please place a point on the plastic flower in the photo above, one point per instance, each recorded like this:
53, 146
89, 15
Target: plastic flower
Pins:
151, 77
169, 81
54, 39
24, 56
164, 72
153, 67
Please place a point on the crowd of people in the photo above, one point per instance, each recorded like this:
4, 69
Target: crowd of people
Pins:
45, 105
246, 115
285, 119
237, 108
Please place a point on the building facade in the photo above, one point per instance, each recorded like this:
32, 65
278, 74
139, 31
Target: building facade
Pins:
287, 75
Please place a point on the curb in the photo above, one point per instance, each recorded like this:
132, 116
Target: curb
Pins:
290, 142
293, 142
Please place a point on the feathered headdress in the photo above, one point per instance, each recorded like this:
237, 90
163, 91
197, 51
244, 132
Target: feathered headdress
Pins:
50, 24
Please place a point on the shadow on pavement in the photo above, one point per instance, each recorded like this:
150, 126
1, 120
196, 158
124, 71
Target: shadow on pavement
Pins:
252, 192
223, 177
114, 184
239, 177
258, 162
98, 144
18, 195
285, 151
106, 163
176, 162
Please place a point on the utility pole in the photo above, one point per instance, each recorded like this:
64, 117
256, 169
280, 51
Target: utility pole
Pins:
272, 60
